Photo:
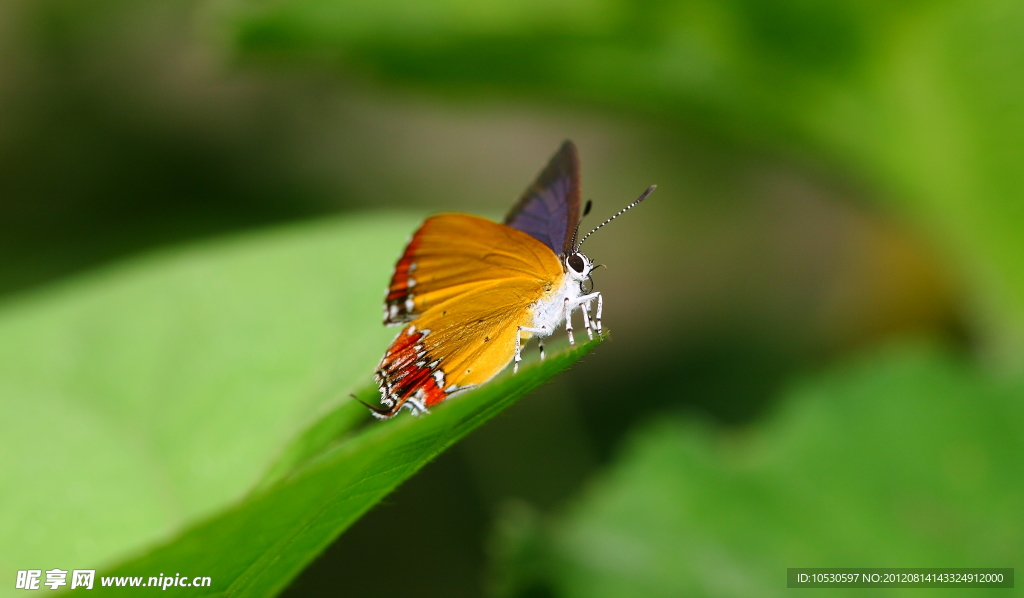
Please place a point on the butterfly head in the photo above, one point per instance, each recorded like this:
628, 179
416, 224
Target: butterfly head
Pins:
578, 266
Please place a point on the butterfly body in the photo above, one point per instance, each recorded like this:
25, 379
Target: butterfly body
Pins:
469, 291
549, 311
556, 307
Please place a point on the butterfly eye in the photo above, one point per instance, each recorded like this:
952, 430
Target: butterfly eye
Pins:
575, 262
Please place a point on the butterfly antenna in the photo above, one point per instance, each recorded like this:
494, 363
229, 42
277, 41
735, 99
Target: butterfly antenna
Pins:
586, 210
617, 214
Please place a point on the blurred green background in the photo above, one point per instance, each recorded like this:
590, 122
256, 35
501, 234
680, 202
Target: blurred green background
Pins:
817, 319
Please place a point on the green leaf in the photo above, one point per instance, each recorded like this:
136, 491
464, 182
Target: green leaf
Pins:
257, 547
147, 394
151, 395
908, 459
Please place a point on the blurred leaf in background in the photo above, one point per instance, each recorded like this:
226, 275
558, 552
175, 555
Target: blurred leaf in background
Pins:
923, 99
906, 458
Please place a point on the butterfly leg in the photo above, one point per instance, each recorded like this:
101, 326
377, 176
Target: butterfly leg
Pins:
519, 357
568, 321
540, 345
585, 308
585, 302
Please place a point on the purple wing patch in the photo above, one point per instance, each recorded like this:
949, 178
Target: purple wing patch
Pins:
550, 209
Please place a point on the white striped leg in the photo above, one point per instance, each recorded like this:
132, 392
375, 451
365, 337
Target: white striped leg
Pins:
585, 308
519, 357
584, 303
568, 321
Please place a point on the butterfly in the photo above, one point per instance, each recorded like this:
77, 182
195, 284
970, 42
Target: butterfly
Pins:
470, 291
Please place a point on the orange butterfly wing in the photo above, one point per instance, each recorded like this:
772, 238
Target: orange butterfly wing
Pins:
466, 284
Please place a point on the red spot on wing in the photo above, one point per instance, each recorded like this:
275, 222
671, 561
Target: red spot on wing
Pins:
406, 374
402, 344
434, 394
399, 291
